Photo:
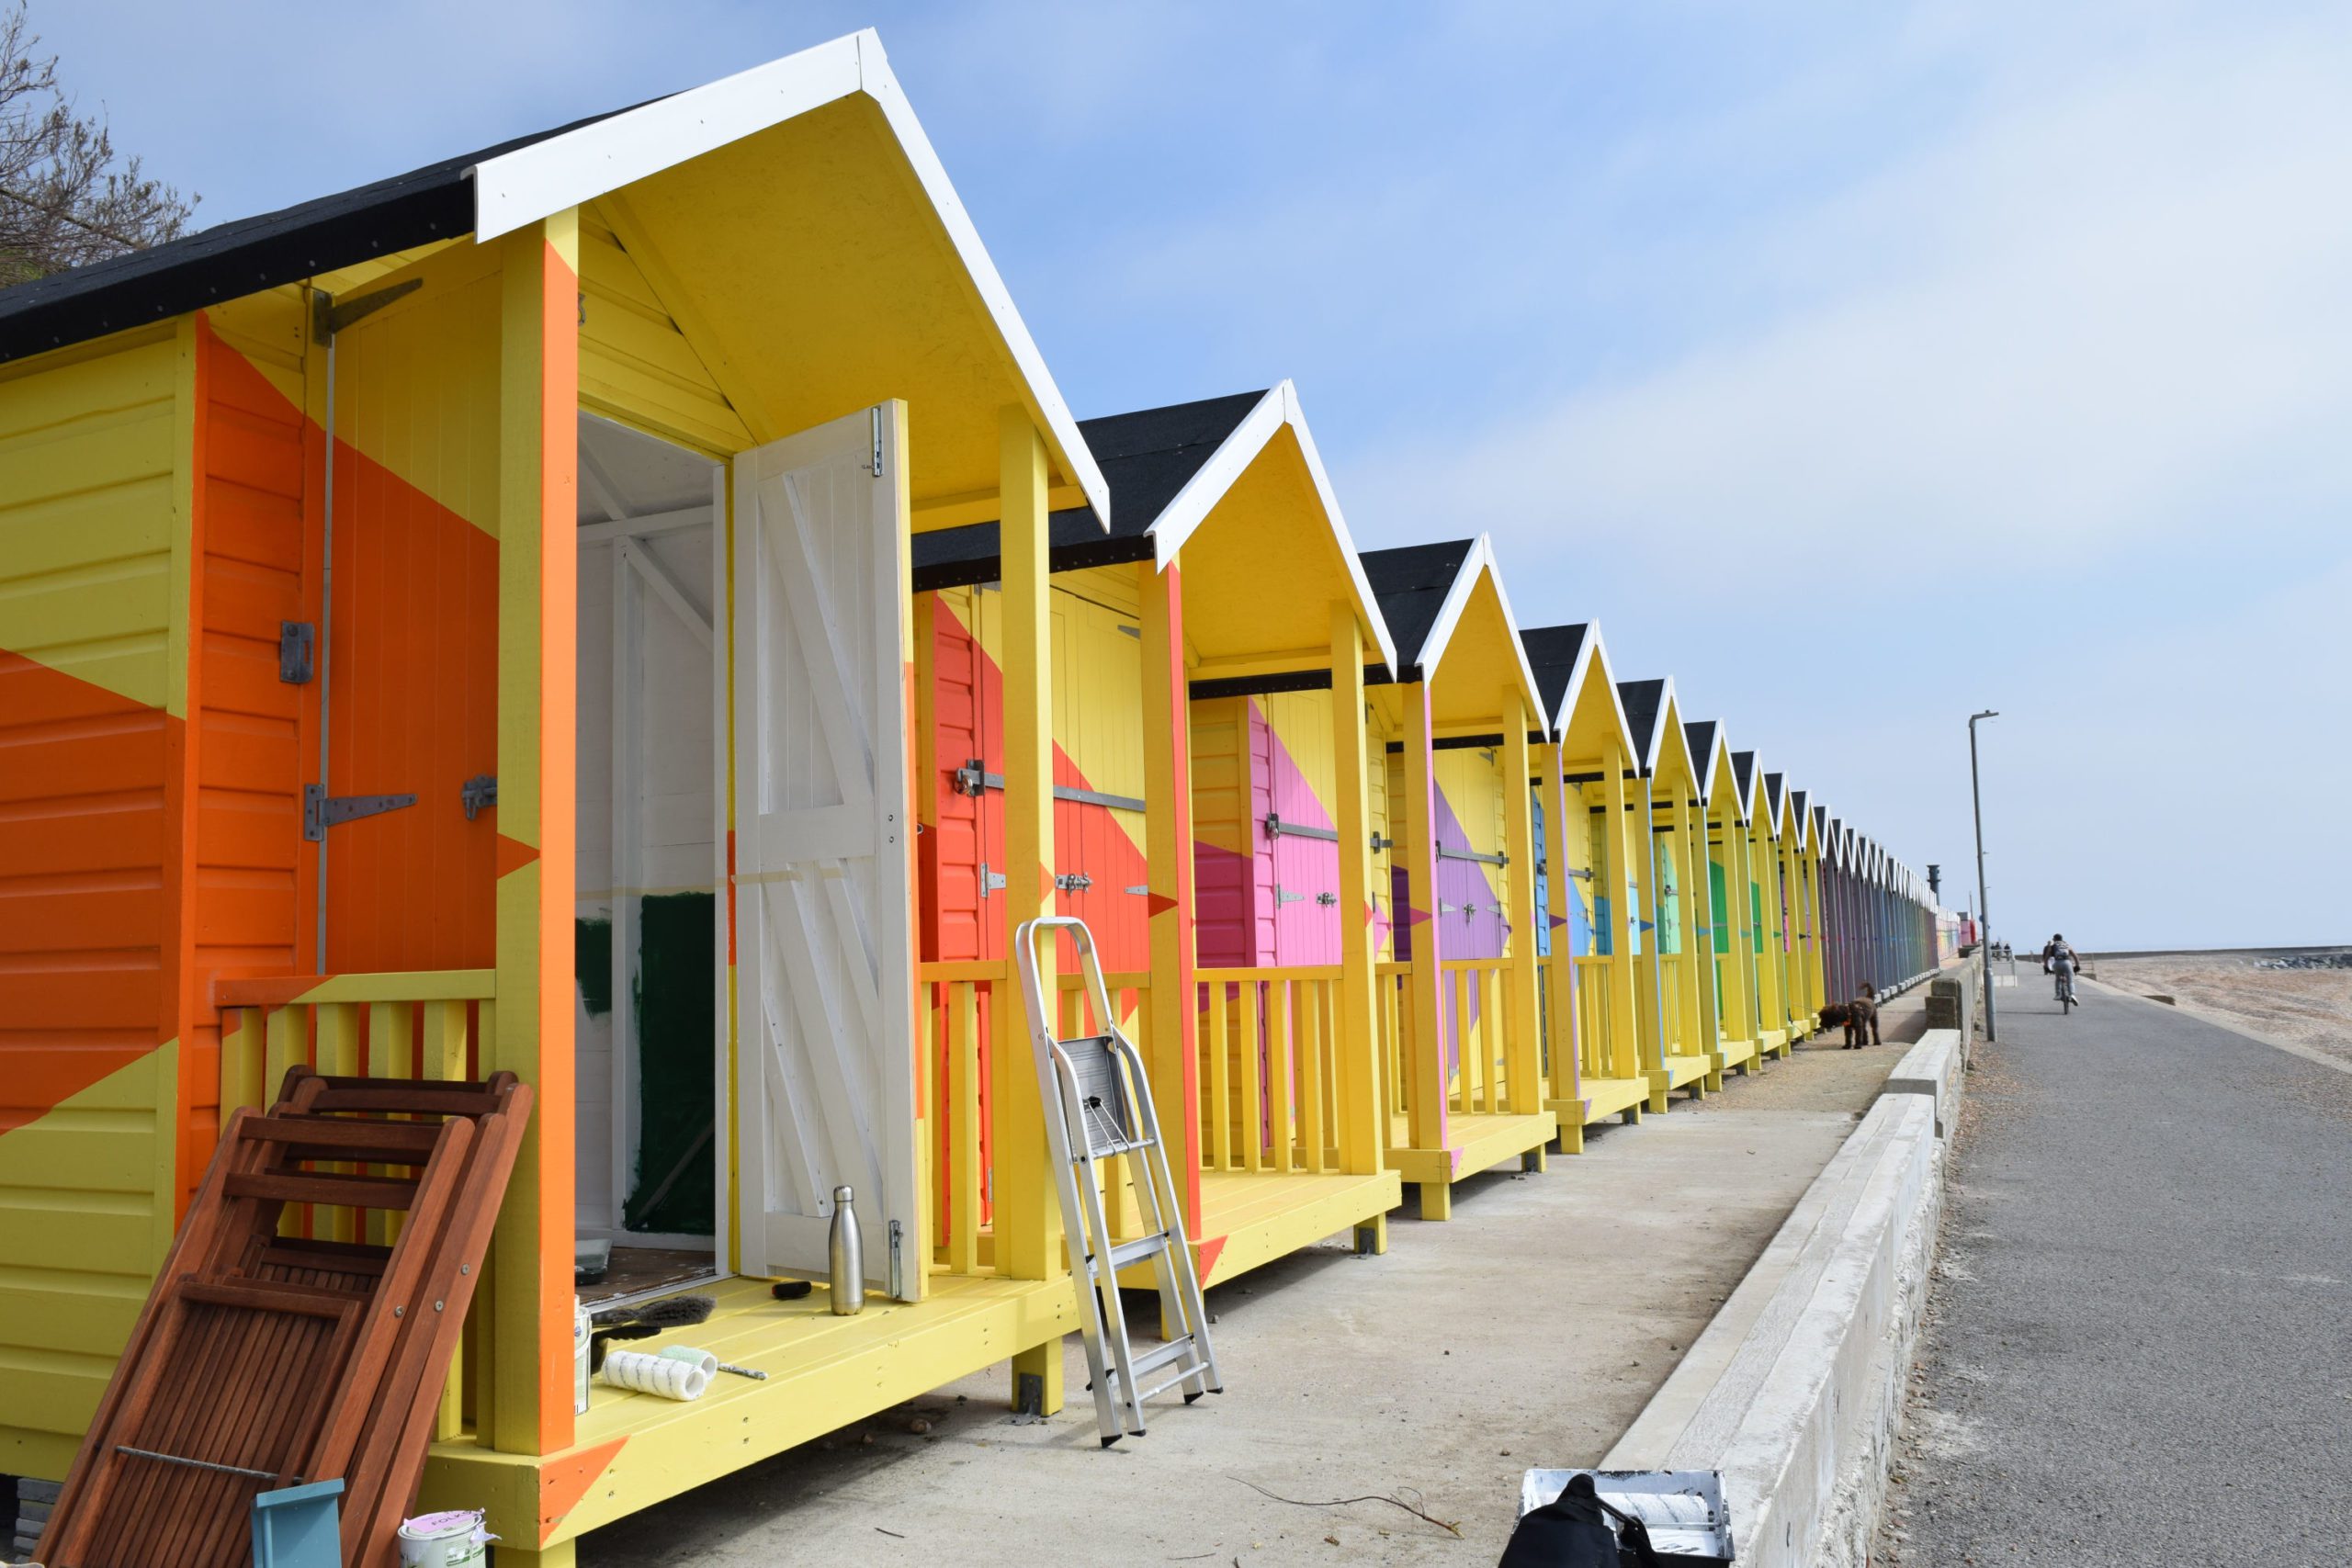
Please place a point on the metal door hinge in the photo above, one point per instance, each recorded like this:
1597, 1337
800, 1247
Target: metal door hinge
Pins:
990, 881
329, 316
898, 1260
1141, 889
296, 640
874, 414
1276, 827
322, 811
1074, 882
1380, 845
1282, 897
478, 792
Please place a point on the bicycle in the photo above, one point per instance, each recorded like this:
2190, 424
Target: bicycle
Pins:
2065, 986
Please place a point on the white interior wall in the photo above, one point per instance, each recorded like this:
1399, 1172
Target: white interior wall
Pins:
669, 842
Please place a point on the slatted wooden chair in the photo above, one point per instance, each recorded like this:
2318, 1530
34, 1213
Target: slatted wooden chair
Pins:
264, 1359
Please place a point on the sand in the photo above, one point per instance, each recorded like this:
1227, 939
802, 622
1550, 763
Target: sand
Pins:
2310, 1007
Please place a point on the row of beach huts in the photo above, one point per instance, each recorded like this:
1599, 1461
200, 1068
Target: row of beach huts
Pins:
628, 607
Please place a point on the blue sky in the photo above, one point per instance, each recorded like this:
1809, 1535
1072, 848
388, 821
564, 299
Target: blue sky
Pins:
1861, 366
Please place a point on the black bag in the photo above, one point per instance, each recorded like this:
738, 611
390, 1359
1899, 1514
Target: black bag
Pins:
1572, 1531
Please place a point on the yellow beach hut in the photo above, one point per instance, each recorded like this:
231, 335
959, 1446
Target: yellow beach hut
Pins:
441, 612
1459, 1008
1204, 803
1677, 1049
1593, 1062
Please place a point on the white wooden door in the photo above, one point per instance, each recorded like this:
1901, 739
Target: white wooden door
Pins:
825, 1084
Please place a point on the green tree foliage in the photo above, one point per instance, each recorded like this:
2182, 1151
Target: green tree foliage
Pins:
66, 197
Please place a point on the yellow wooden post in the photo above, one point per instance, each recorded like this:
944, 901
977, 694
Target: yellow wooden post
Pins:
1522, 997
1742, 928
1625, 1039
1363, 1121
1737, 1020
1698, 1017
1424, 1037
1026, 1212
1562, 1019
539, 409
1174, 1021
1757, 910
1641, 845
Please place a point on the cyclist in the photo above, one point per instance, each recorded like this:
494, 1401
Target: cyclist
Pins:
2060, 960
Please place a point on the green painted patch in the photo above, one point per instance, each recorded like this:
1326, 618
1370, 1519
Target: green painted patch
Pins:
592, 963
674, 1187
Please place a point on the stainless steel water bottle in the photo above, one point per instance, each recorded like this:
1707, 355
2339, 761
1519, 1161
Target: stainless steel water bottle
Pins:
845, 1250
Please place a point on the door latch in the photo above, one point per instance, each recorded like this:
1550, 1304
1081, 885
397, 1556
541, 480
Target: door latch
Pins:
296, 643
322, 811
480, 791
1327, 899
1074, 882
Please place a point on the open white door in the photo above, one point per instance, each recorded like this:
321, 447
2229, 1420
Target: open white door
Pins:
825, 1074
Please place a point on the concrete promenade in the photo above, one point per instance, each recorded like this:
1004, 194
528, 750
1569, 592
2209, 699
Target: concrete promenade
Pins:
1529, 1329
2138, 1347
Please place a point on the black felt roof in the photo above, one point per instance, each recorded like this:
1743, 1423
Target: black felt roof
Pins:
1147, 457
1641, 700
1796, 799
1551, 654
1772, 793
1743, 767
1412, 583
1701, 734
245, 255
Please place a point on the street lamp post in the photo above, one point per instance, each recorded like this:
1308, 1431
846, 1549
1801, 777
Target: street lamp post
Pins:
1984, 914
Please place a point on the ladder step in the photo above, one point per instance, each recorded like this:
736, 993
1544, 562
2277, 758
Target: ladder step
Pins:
1104, 1151
304, 1187
1136, 1251
1159, 1356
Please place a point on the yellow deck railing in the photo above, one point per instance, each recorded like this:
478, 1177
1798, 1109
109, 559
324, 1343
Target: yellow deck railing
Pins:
970, 1010
1593, 1041
1471, 993
1268, 1040
426, 1024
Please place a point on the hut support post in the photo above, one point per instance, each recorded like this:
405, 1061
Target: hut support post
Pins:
1424, 1038
1363, 1130
528, 1029
1168, 846
1563, 1021
1526, 1085
1644, 847
1698, 1016
1624, 1049
1027, 1213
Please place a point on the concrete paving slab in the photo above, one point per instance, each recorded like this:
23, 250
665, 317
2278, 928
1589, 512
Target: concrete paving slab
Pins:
1530, 1329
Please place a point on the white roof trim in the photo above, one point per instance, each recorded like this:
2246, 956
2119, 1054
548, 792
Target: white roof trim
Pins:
1510, 632
1210, 482
565, 171
1480, 558
1716, 747
1593, 653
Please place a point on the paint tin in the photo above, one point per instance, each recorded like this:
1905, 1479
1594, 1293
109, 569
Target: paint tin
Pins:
452, 1539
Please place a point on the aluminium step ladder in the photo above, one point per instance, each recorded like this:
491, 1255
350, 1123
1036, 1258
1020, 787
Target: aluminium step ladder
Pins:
1098, 1114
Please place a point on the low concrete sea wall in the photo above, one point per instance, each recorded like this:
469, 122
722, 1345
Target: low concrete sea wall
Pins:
1794, 1391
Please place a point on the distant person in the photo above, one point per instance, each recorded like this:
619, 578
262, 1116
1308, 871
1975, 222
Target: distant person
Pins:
1861, 1018
2061, 960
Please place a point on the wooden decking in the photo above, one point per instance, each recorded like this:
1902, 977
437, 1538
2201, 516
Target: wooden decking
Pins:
1253, 1217
1478, 1142
632, 1451
1599, 1098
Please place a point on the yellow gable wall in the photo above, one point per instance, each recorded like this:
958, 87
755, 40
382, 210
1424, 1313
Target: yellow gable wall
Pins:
85, 1217
86, 569
635, 364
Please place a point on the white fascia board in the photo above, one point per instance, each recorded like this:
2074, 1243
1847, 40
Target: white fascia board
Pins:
1213, 479
566, 171
1457, 599
1528, 688
1706, 769
1365, 600
1596, 657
